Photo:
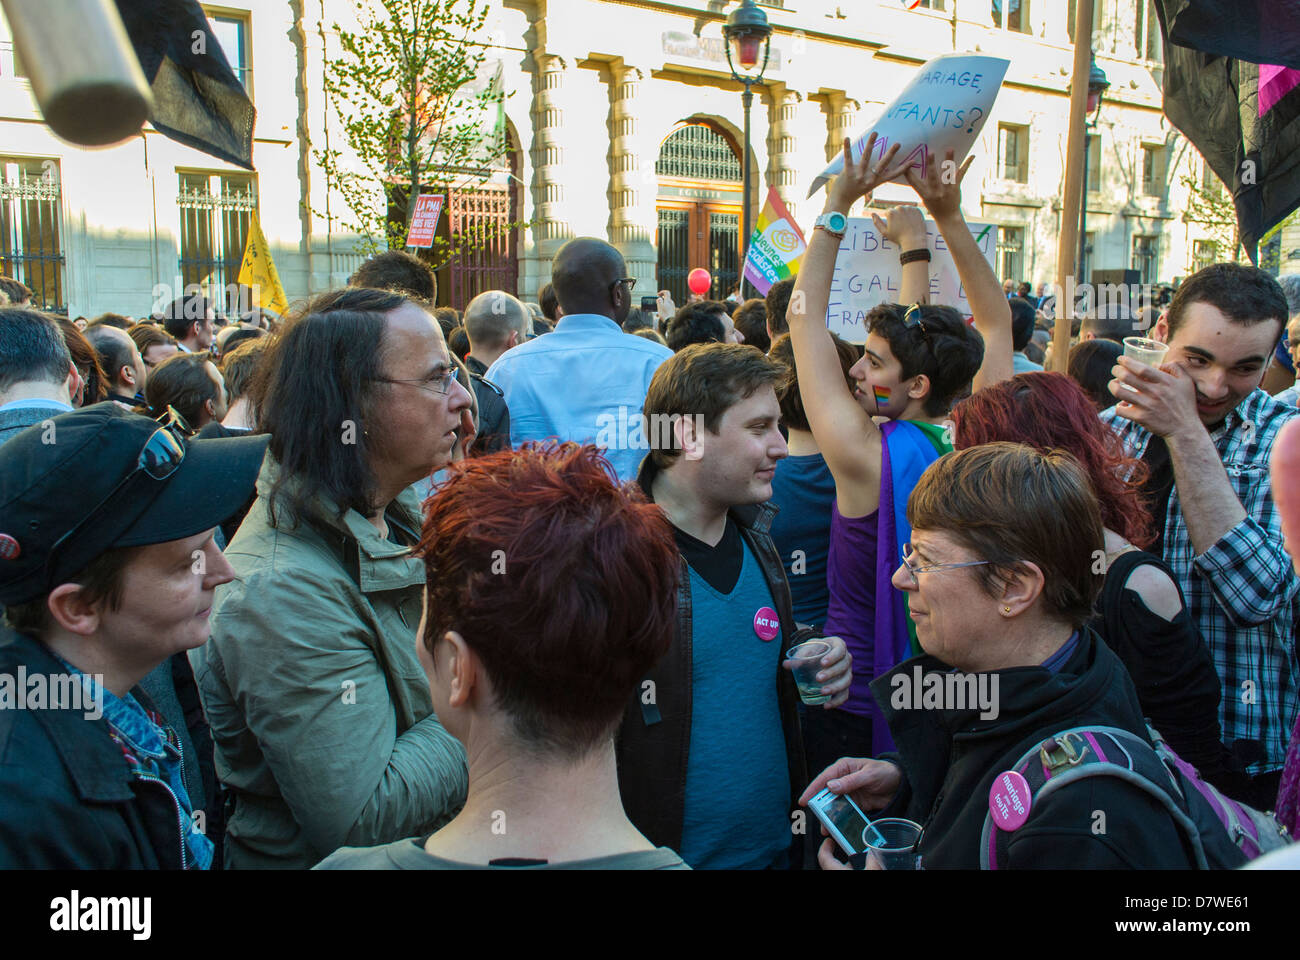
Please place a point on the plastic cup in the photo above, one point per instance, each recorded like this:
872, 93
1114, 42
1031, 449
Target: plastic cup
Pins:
898, 852
1150, 352
807, 657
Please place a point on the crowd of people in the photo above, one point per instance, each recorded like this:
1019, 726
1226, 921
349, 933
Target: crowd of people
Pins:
379, 584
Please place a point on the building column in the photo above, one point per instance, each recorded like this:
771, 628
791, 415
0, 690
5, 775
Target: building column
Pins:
841, 122
633, 221
782, 172
550, 227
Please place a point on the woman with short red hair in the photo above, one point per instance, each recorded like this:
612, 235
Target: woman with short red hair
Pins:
1140, 613
551, 592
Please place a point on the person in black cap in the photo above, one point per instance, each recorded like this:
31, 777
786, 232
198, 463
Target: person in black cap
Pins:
107, 569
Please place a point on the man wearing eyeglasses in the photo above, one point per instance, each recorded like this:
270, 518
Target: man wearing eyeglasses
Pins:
108, 569
586, 381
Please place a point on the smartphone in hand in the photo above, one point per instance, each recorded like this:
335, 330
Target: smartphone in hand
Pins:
841, 817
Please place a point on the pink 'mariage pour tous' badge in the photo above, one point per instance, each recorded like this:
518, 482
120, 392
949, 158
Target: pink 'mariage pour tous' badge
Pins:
766, 624
1009, 801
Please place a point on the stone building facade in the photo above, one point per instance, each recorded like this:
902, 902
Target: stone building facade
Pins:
626, 124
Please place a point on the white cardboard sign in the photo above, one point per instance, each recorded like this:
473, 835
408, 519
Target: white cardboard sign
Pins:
944, 107
867, 273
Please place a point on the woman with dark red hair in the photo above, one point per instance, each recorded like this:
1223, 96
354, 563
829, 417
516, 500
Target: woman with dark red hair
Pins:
1140, 613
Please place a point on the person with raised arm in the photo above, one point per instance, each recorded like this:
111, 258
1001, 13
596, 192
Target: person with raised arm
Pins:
919, 359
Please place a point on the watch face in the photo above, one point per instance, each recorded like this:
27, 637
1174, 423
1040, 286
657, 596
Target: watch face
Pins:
837, 222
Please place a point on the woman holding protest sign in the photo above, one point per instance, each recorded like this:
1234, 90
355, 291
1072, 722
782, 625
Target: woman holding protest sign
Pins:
918, 360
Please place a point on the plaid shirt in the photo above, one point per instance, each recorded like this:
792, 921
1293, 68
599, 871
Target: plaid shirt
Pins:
1241, 592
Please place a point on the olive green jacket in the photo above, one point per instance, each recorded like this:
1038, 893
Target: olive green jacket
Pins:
320, 712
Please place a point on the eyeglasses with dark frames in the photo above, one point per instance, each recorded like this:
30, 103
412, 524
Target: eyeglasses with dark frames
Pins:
630, 281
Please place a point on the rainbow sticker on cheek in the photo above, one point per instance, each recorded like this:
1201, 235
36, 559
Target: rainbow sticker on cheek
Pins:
882, 396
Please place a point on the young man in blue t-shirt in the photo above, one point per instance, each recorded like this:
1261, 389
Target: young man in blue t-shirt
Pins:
720, 701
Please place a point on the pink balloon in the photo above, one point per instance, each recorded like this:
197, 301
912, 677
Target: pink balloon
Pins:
699, 281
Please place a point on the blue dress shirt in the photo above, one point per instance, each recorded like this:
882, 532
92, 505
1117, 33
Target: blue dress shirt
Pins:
585, 381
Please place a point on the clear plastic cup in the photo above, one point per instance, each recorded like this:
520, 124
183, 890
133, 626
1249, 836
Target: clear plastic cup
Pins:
901, 838
807, 657
1150, 352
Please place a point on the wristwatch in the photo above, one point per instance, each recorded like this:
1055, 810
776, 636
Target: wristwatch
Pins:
834, 223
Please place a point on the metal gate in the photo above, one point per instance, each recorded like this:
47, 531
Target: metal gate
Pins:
699, 201
30, 248
724, 251
490, 261
674, 252
215, 212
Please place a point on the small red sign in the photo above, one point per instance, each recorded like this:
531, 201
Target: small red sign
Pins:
424, 222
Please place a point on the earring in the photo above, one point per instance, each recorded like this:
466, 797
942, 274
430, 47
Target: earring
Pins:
1006, 609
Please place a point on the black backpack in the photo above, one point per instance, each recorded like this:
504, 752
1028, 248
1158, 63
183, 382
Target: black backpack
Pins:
1222, 833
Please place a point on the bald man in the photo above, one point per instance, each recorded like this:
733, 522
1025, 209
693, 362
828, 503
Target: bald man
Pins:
587, 380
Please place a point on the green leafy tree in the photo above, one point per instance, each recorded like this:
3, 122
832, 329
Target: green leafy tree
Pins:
417, 116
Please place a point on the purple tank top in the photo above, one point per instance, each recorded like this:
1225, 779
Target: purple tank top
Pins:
851, 613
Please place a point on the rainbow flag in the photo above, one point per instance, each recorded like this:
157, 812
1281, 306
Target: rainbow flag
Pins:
776, 247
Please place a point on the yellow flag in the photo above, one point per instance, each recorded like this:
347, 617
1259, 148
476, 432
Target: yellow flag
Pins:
258, 271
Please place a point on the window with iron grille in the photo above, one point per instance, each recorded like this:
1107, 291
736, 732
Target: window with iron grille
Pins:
1146, 258
1204, 253
1011, 246
696, 152
30, 247
215, 212
1013, 149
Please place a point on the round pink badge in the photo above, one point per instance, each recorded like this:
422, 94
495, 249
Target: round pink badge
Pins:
766, 623
1009, 801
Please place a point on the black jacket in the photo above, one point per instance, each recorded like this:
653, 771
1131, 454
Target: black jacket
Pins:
950, 758
67, 798
653, 746
493, 417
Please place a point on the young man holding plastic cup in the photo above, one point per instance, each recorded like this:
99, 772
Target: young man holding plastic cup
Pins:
724, 694
1205, 431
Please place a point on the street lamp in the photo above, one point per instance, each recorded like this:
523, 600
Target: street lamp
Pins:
1097, 85
747, 33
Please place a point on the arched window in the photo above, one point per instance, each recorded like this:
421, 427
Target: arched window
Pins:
699, 209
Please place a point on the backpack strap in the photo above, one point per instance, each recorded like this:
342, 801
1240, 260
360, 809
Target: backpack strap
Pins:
1083, 752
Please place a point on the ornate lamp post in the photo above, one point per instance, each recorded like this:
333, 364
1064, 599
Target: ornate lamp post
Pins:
1097, 85
748, 36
